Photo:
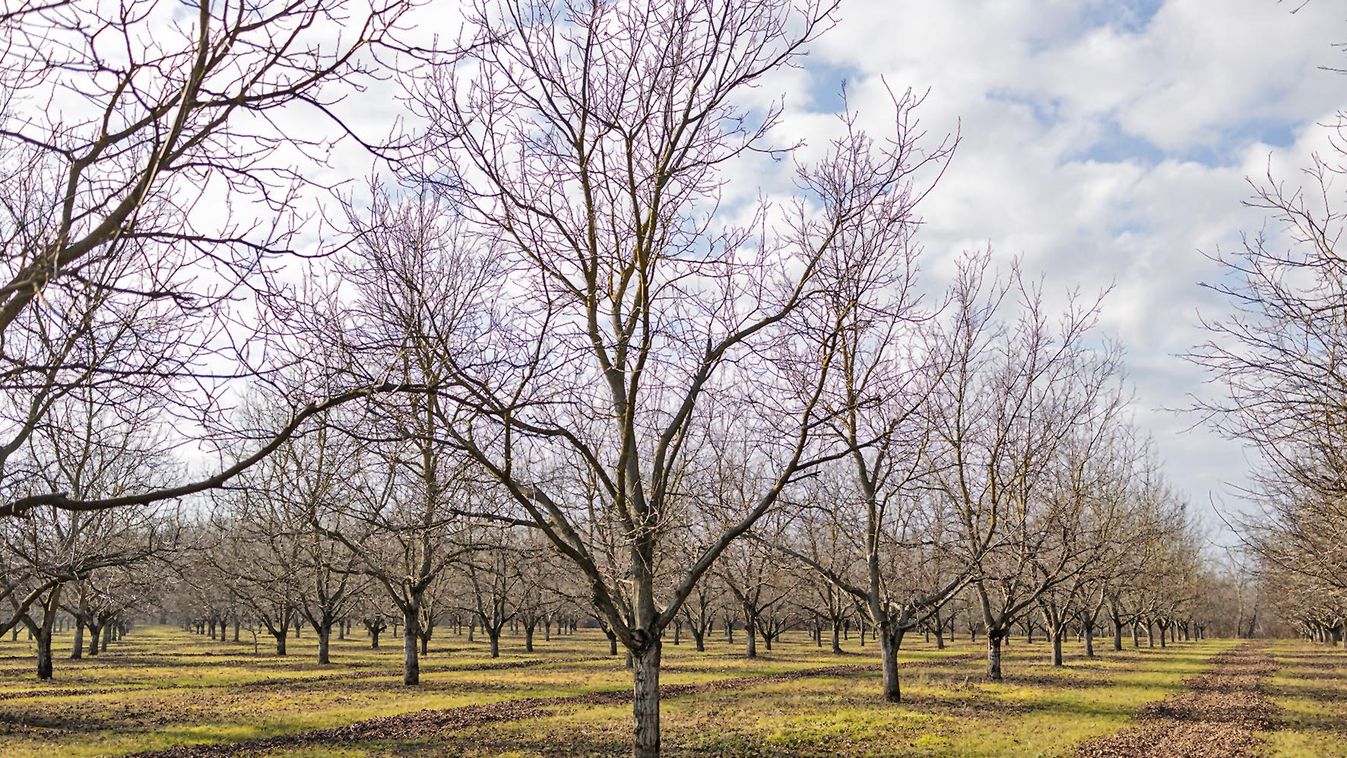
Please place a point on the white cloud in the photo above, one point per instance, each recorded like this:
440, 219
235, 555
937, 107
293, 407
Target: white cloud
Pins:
1105, 145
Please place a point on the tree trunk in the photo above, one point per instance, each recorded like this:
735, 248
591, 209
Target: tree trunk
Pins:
888, 647
1117, 634
528, 638
77, 649
44, 662
700, 639
281, 636
612, 642
411, 664
95, 634
494, 636
324, 638
645, 703
994, 655
1089, 640
837, 644
374, 639
1056, 635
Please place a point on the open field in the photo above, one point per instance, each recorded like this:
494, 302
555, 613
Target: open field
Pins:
163, 687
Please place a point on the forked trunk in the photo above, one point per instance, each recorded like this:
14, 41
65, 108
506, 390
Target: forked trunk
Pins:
645, 703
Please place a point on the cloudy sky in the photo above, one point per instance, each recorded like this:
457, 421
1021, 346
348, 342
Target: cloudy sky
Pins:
1106, 142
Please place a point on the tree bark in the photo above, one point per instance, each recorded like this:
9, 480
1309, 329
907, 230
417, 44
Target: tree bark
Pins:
324, 638
888, 646
44, 662
411, 664
994, 655
645, 704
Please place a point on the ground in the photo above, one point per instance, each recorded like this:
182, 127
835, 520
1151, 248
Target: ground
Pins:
163, 688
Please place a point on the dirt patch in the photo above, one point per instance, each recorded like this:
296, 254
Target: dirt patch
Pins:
1218, 714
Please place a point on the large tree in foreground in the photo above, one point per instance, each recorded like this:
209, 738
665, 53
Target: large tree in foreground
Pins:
587, 144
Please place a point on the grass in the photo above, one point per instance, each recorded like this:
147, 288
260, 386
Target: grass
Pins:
1310, 687
163, 687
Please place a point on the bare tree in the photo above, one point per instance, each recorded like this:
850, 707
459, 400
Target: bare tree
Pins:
1013, 396
148, 187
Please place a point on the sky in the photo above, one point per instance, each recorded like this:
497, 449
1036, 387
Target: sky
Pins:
1104, 143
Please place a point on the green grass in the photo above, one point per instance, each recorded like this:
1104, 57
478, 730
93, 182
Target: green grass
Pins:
1310, 687
163, 687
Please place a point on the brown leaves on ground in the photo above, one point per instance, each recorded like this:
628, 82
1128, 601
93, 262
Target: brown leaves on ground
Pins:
1219, 714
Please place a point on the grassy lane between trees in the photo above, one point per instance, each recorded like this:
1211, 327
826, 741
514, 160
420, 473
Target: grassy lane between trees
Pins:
1310, 689
162, 687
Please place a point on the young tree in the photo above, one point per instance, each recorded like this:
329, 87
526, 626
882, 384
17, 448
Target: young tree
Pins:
1015, 393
